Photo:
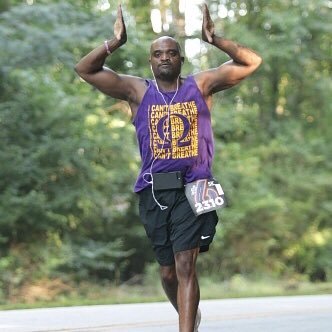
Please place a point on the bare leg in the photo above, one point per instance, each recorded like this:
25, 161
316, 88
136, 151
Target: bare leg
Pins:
169, 282
188, 289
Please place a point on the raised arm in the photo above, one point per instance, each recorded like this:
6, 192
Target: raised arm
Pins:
243, 61
91, 67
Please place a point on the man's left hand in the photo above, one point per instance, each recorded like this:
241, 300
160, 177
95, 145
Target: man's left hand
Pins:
207, 26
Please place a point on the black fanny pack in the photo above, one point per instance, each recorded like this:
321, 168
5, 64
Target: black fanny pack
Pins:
169, 180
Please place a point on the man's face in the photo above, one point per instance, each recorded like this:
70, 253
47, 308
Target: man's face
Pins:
165, 59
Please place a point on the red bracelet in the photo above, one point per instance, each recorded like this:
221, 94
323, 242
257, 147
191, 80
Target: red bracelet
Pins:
107, 48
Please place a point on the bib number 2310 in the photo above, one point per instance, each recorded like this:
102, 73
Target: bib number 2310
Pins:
212, 203
204, 196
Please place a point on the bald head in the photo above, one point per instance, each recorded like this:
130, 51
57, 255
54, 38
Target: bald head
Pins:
162, 39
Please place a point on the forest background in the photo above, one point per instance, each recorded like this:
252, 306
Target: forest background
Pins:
69, 222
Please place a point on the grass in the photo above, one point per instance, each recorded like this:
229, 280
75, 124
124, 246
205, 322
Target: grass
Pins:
151, 291
239, 286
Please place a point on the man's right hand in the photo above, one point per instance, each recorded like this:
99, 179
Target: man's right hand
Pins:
120, 32
93, 70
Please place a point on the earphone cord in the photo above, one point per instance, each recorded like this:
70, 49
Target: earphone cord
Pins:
162, 207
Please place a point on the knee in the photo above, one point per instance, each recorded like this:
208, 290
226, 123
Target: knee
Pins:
186, 265
168, 274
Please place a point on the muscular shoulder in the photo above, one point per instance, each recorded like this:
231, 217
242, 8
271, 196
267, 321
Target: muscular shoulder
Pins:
202, 80
139, 87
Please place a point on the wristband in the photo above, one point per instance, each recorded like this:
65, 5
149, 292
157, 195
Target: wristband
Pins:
107, 48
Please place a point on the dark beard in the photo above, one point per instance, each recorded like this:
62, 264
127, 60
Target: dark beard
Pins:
168, 74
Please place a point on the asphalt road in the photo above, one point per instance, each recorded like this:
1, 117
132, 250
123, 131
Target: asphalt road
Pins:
272, 314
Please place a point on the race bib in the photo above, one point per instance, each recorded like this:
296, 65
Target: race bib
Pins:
204, 196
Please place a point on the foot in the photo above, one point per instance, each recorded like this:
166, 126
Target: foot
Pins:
197, 320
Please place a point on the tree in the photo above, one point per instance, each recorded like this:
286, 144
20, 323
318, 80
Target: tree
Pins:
68, 155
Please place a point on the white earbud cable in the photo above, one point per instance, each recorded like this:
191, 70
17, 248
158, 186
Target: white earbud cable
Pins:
162, 207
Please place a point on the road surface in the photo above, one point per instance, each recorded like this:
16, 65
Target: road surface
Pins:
272, 314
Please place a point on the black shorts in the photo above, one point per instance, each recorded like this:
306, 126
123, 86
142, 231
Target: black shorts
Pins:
175, 228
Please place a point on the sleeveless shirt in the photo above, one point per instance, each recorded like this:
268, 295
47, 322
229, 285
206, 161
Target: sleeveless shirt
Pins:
174, 138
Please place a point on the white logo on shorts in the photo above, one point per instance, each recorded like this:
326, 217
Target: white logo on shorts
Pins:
205, 237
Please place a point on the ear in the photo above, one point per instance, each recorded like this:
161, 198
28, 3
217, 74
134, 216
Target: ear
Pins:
182, 59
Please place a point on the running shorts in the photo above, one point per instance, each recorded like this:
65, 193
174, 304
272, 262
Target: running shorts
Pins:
175, 228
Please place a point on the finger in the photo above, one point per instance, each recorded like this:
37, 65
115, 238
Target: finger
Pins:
204, 7
119, 12
204, 12
207, 13
121, 16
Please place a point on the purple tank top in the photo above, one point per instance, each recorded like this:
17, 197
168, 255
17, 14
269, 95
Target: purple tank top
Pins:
185, 144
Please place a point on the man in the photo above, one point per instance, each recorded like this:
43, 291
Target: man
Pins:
172, 118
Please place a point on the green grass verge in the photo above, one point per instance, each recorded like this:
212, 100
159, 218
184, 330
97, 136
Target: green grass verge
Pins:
238, 286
